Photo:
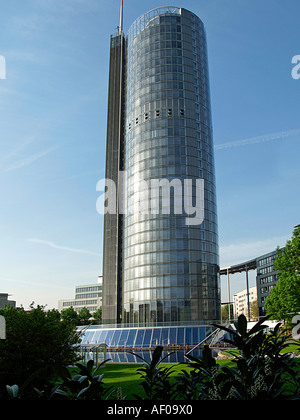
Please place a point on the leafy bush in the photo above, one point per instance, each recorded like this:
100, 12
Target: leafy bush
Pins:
156, 379
261, 371
83, 383
37, 344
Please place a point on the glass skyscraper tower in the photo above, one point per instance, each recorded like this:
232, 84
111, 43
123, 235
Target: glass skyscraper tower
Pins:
160, 265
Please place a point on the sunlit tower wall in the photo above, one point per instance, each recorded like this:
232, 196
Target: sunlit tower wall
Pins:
169, 269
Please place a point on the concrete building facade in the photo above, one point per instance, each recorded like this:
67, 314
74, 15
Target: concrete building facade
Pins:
86, 296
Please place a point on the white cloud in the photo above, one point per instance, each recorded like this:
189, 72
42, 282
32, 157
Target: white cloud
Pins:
63, 248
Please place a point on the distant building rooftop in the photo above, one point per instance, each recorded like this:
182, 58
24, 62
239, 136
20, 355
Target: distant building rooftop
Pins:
4, 302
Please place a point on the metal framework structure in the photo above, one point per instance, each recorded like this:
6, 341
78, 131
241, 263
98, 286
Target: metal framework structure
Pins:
92, 352
239, 268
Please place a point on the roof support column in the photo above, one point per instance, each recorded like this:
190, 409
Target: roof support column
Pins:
228, 285
248, 296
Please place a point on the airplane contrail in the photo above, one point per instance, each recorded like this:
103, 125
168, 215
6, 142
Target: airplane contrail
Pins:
258, 139
63, 248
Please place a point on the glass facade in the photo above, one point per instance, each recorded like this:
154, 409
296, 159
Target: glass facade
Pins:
170, 269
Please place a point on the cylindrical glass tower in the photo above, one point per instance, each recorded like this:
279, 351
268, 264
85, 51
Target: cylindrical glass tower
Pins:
170, 267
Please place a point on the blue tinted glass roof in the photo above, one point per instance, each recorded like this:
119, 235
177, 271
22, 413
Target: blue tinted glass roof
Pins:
150, 337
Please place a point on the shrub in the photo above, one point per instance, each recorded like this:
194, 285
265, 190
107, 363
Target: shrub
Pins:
37, 344
261, 372
156, 379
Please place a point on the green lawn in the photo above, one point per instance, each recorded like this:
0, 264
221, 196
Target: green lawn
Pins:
126, 376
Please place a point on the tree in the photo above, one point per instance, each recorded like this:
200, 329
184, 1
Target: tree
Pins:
98, 316
70, 315
37, 344
84, 316
284, 298
225, 312
254, 310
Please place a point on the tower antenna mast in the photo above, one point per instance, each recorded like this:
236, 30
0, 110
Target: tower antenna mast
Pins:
121, 19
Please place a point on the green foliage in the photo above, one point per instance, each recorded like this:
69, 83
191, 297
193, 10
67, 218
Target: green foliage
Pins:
225, 312
284, 298
83, 383
98, 316
86, 384
37, 343
261, 370
156, 379
70, 315
200, 383
84, 316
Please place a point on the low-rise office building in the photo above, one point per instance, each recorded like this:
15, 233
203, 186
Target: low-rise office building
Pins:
266, 279
86, 296
4, 302
240, 301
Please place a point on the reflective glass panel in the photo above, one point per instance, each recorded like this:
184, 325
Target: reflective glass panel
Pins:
195, 335
202, 334
139, 338
131, 337
147, 338
180, 336
173, 335
123, 338
156, 337
115, 339
109, 337
188, 336
96, 336
102, 336
86, 339
165, 336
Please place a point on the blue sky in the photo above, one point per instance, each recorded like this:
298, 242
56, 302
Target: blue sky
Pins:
53, 133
